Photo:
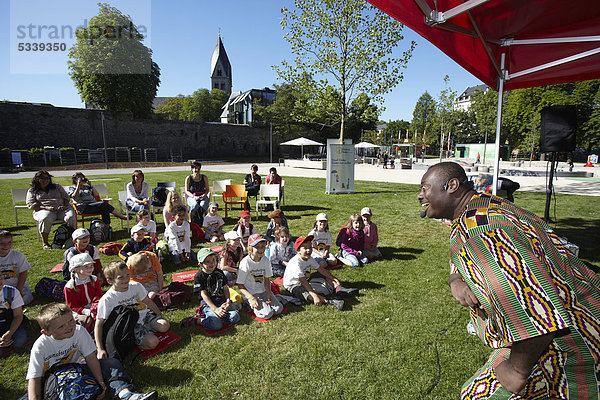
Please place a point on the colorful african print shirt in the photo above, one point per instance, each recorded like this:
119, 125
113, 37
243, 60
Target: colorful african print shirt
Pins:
529, 285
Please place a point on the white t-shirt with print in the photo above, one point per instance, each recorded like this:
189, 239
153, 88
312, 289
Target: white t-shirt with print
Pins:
320, 241
298, 268
212, 223
17, 300
12, 265
150, 228
47, 351
252, 274
134, 297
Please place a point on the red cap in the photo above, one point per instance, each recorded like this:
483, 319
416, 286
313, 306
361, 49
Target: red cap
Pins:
245, 214
255, 239
302, 239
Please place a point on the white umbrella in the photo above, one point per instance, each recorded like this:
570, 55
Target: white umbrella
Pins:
301, 141
365, 145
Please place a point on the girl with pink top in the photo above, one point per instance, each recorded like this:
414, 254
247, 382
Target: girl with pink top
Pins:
353, 241
371, 236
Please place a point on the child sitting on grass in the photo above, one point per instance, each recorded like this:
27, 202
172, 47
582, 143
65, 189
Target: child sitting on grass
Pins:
213, 224
281, 251
145, 268
143, 219
230, 256
322, 241
63, 341
83, 290
81, 244
178, 237
320, 287
124, 292
253, 280
353, 241
173, 199
371, 236
12, 320
277, 219
211, 283
14, 266
137, 243
245, 228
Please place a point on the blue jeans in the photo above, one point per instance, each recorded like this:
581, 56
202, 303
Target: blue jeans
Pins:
212, 322
133, 206
175, 257
355, 261
19, 338
196, 206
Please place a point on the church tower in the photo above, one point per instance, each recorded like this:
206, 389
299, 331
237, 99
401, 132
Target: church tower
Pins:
220, 69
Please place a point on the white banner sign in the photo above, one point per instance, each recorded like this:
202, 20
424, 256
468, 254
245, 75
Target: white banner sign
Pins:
340, 166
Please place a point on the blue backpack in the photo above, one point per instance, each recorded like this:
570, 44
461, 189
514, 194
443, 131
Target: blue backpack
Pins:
70, 381
52, 289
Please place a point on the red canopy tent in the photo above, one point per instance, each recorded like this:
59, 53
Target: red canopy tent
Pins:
509, 44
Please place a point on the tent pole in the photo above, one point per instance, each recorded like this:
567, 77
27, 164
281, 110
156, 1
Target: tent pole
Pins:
498, 126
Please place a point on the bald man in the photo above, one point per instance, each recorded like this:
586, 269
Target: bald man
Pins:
530, 299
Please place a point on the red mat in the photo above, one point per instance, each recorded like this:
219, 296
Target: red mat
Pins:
166, 340
213, 333
336, 266
57, 268
217, 248
278, 281
263, 320
185, 276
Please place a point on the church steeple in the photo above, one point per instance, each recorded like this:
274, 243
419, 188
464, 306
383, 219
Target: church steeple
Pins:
220, 68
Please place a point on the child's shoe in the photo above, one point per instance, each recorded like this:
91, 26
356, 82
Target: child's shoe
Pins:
337, 303
141, 396
346, 292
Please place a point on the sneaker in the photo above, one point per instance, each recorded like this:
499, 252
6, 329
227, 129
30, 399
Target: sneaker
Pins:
343, 260
346, 292
47, 246
337, 303
142, 396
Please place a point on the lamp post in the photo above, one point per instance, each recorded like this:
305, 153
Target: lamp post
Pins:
104, 139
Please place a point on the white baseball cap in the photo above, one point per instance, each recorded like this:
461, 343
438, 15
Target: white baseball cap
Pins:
79, 260
322, 217
80, 233
365, 210
232, 235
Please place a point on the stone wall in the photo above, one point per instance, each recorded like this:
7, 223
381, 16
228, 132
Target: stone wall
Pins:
23, 126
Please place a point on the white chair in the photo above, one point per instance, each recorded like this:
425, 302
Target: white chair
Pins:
283, 191
124, 210
267, 191
219, 187
103, 192
18, 196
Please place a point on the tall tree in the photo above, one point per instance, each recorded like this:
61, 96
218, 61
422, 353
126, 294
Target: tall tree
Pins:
423, 117
362, 116
111, 67
348, 41
483, 106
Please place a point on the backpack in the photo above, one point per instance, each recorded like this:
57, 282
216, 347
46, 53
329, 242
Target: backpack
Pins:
71, 381
52, 289
197, 232
338, 237
175, 294
65, 268
6, 314
62, 237
118, 333
159, 196
99, 231
110, 248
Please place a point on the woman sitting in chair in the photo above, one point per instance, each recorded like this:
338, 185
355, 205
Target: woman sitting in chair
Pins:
85, 198
196, 191
138, 192
49, 202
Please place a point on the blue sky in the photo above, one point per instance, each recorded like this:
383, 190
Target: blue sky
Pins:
182, 35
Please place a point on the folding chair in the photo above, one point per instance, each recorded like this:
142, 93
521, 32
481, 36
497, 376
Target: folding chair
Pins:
268, 195
124, 210
231, 195
102, 189
171, 185
18, 196
219, 187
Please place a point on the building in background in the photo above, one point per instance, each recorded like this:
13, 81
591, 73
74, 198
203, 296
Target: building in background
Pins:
220, 68
463, 100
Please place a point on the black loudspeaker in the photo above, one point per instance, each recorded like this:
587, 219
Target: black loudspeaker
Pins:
558, 127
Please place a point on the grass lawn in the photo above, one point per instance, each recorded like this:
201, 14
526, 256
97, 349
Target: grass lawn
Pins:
383, 346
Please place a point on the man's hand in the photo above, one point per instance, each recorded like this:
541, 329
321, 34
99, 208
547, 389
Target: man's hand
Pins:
463, 293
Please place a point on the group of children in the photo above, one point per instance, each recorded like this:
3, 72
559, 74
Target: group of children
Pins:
136, 279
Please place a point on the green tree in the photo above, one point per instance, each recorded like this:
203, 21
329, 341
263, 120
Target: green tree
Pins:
111, 67
171, 108
423, 117
484, 106
362, 116
202, 105
446, 117
348, 41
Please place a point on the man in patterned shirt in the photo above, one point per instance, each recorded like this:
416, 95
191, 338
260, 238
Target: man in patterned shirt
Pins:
530, 299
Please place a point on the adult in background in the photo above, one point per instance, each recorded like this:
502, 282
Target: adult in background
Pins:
196, 190
84, 195
138, 192
530, 299
252, 182
49, 202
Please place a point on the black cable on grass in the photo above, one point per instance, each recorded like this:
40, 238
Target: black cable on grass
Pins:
437, 356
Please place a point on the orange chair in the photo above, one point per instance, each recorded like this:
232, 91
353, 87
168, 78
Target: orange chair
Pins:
235, 194
101, 188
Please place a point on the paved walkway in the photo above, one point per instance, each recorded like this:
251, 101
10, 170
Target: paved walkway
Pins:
365, 172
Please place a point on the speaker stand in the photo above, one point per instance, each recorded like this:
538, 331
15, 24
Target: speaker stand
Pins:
549, 188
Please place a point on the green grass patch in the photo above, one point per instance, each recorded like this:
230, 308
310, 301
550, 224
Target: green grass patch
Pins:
381, 347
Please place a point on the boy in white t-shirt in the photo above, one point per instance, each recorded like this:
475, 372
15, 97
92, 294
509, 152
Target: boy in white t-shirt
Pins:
213, 224
63, 341
14, 266
178, 237
124, 292
320, 287
12, 320
253, 280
